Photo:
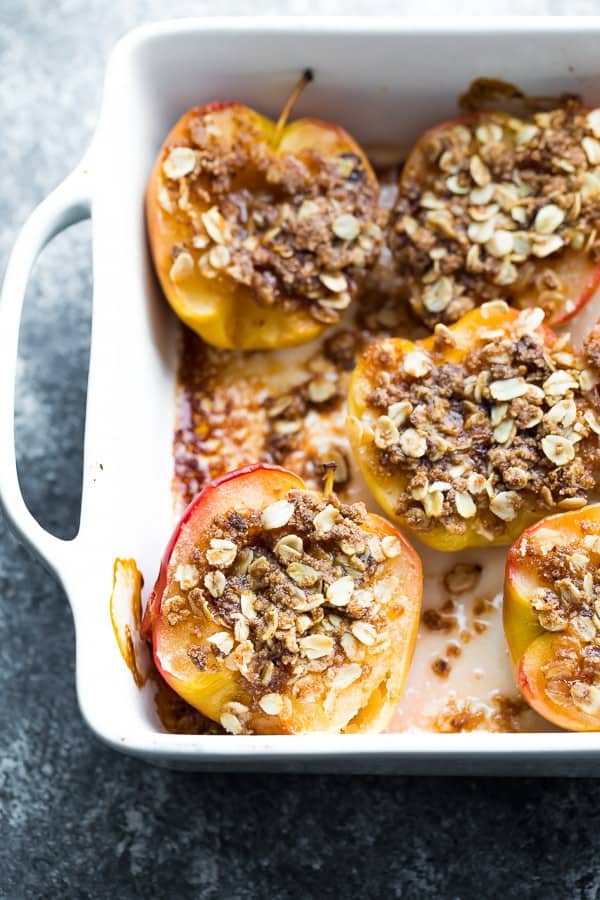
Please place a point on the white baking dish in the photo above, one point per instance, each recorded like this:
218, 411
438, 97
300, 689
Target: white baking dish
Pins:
385, 80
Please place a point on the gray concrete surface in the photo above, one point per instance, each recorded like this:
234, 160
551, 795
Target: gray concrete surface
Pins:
78, 821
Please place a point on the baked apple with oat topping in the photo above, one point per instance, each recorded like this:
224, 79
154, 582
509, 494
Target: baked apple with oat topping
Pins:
260, 232
281, 610
496, 206
552, 617
469, 436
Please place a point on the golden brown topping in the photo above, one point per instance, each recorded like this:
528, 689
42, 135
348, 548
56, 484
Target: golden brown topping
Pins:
288, 590
512, 423
488, 199
299, 232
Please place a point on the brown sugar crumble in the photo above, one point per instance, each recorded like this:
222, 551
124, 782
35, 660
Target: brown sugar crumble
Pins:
295, 598
497, 196
297, 230
466, 714
441, 667
511, 427
567, 603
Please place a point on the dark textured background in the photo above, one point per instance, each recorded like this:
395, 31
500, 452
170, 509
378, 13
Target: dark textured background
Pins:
79, 821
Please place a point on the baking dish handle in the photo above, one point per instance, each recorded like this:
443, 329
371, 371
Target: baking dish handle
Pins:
69, 203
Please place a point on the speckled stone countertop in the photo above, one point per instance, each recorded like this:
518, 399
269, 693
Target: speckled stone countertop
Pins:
76, 819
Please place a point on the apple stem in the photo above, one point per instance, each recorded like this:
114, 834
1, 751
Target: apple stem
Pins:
306, 78
330, 469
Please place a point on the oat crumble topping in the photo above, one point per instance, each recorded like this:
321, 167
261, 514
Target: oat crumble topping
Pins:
511, 427
297, 230
504, 714
296, 597
498, 197
568, 603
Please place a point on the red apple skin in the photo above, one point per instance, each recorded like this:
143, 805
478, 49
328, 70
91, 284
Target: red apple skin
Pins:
570, 266
531, 646
219, 487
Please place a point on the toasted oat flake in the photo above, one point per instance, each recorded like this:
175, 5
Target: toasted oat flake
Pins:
548, 219
223, 641
334, 282
416, 363
216, 226
164, 200
546, 245
558, 384
222, 553
364, 632
349, 645
340, 591
215, 583
219, 257
271, 704
412, 443
591, 149
508, 388
558, 449
346, 227
385, 433
231, 723
438, 295
321, 389
593, 122
465, 505
462, 577
308, 209
326, 519
277, 514
303, 574
188, 576
501, 243
247, 600
391, 546
562, 413
179, 163
479, 171
505, 431
346, 675
399, 412
498, 413
316, 646
289, 548
505, 505
183, 266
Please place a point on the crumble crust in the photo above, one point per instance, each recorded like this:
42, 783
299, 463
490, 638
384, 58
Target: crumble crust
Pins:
497, 197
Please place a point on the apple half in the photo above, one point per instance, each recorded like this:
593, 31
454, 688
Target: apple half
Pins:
355, 687
550, 619
572, 268
233, 271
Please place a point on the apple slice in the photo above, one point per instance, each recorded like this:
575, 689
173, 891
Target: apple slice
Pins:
280, 610
260, 232
551, 621
467, 437
495, 206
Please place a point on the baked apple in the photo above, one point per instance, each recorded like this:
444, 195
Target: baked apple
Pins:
467, 437
493, 206
260, 232
552, 617
281, 610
